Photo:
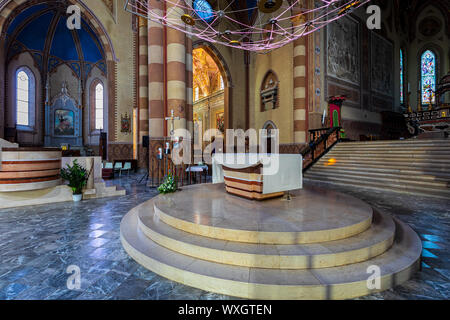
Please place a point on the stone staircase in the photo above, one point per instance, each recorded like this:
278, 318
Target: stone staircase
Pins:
419, 167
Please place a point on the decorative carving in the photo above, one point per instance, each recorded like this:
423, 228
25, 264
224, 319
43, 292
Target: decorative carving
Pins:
344, 50
269, 92
382, 65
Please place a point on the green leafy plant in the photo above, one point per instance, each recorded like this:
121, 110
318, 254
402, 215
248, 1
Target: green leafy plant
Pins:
77, 177
169, 185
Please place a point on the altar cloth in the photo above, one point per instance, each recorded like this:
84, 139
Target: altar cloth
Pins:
267, 173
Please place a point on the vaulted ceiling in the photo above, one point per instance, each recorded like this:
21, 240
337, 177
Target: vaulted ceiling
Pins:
41, 29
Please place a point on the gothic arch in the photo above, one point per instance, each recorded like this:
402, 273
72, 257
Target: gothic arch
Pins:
10, 8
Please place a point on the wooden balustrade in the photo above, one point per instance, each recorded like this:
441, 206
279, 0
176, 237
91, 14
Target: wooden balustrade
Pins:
322, 140
160, 168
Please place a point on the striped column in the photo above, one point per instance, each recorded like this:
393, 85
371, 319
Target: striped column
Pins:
300, 108
189, 86
176, 67
143, 79
156, 73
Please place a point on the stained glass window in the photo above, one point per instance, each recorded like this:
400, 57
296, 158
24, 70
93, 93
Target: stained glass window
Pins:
428, 69
402, 93
204, 10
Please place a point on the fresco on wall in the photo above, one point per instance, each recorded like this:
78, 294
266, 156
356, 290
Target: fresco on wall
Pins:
64, 123
382, 65
343, 46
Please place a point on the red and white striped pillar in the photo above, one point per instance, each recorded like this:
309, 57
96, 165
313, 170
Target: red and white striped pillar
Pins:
300, 106
143, 79
156, 73
189, 86
176, 67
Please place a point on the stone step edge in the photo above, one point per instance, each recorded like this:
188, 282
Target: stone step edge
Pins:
370, 177
429, 161
372, 164
403, 164
400, 142
344, 290
435, 193
263, 237
430, 175
398, 183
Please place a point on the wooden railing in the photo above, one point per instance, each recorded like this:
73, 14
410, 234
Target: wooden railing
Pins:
160, 168
322, 140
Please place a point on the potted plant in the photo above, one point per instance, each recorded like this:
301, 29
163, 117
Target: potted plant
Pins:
77, 177
169, 185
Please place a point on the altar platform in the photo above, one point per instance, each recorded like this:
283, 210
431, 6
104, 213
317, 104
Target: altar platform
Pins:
319, 245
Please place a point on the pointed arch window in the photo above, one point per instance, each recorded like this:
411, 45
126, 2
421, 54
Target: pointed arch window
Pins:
428, 77
99, 104
25, 98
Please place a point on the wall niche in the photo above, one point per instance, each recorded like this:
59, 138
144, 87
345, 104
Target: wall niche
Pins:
269, 92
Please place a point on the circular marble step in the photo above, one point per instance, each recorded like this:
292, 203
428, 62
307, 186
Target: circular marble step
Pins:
368, 244
314, 215
396, 266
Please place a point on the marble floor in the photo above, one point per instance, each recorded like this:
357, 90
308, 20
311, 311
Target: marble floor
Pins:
39, 243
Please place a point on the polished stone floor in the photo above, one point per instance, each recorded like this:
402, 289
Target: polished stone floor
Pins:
39, 243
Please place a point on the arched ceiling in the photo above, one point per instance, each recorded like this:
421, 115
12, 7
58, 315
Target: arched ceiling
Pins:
41, 29
205, 72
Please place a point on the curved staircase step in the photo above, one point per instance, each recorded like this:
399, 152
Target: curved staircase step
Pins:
309, 218
396, 266
368, 244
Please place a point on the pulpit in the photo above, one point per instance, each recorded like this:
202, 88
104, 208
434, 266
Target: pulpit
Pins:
258, 176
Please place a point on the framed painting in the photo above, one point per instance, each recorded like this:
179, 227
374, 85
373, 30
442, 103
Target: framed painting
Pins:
64, 123
220, 121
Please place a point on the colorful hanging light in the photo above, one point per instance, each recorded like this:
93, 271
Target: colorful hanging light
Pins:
258, 25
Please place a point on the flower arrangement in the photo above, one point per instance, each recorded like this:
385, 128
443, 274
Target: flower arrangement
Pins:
169, 185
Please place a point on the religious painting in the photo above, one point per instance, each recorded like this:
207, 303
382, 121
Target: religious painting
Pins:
64, 123
125, 123
220, 121
382, 70
343, 58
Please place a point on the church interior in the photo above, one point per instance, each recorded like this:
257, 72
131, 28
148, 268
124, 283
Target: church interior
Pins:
115, 116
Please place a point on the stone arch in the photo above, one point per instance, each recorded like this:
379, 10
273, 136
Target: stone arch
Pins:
226, 75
